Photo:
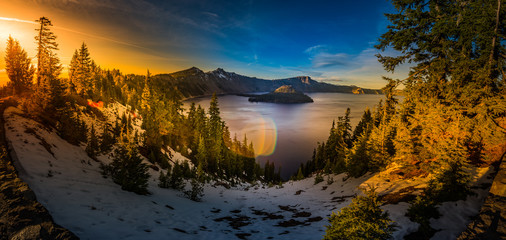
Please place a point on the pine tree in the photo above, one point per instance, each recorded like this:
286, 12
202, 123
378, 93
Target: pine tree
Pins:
358, 158
46, 44
18, 66
163, 180
364, 123
73, 71
197, 190
215, 130
127, 168
107, 139
146, 95
92, 148
48, 66
80, 72
69, 125
299, 176
176, 177
201, 156
362, 219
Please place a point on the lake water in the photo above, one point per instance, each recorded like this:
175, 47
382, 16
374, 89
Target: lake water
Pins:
286, 134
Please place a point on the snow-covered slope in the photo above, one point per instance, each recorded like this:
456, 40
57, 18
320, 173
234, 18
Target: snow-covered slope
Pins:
69, 184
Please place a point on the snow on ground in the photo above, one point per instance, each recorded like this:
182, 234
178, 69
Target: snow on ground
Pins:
176, 157
69, 184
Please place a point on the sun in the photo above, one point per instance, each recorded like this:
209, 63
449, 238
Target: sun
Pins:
21, 30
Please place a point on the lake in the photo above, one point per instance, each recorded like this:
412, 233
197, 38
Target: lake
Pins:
286, 134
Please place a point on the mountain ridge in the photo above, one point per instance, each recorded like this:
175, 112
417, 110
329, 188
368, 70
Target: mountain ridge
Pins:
193, 82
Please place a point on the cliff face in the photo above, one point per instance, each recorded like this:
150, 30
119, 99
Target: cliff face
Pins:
491, 221
21, 216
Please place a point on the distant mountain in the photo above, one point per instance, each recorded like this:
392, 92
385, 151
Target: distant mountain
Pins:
195, 82
284, 94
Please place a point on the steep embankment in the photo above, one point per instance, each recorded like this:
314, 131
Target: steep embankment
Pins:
491, 222
21, 216
70, 185
195, 82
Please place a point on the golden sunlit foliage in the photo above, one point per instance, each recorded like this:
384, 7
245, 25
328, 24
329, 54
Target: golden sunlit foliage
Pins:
18, 67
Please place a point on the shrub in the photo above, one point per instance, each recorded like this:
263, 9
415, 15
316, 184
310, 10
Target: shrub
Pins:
318, 179
362, 219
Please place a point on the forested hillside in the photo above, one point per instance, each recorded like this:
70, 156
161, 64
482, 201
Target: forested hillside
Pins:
453, 115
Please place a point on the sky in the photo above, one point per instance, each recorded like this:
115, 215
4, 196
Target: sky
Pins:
330, 41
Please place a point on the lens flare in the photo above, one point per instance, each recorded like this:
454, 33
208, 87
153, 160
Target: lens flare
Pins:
265, 142
98, 104
262, 132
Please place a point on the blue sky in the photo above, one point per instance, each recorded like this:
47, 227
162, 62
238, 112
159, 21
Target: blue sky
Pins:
330, 41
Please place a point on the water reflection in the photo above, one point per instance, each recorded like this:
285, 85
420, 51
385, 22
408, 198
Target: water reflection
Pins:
286, 134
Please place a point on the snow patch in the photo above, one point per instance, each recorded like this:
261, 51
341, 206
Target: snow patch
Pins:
93, 207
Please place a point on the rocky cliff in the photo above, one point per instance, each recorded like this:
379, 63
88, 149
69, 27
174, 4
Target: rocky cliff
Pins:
21, 216
491, 221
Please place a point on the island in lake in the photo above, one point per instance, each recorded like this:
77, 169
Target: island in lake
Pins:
284, 94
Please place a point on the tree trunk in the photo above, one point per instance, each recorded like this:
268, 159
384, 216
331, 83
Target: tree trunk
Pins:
492, 51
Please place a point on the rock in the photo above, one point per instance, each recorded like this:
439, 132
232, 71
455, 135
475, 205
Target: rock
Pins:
491, 221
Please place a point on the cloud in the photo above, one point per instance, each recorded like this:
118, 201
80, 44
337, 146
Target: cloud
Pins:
332, 80
210, 14
17, 20
321, 57
315, 49
362, 69
323, 60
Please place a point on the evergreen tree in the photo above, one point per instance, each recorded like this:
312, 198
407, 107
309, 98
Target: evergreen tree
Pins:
69, 125
146, 95
92, 148
107, 139
80, 72
215, 130
127, 168
18, 66
299, 176
48, 66
176, 177
46, 44
73, 71
163, 180
197, 190
362, 219
358, 158
364, 123
201, 156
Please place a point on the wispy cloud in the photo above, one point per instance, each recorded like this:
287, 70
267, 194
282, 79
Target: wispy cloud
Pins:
16, 20
315, 49
321, 56
323, 60
210, 14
